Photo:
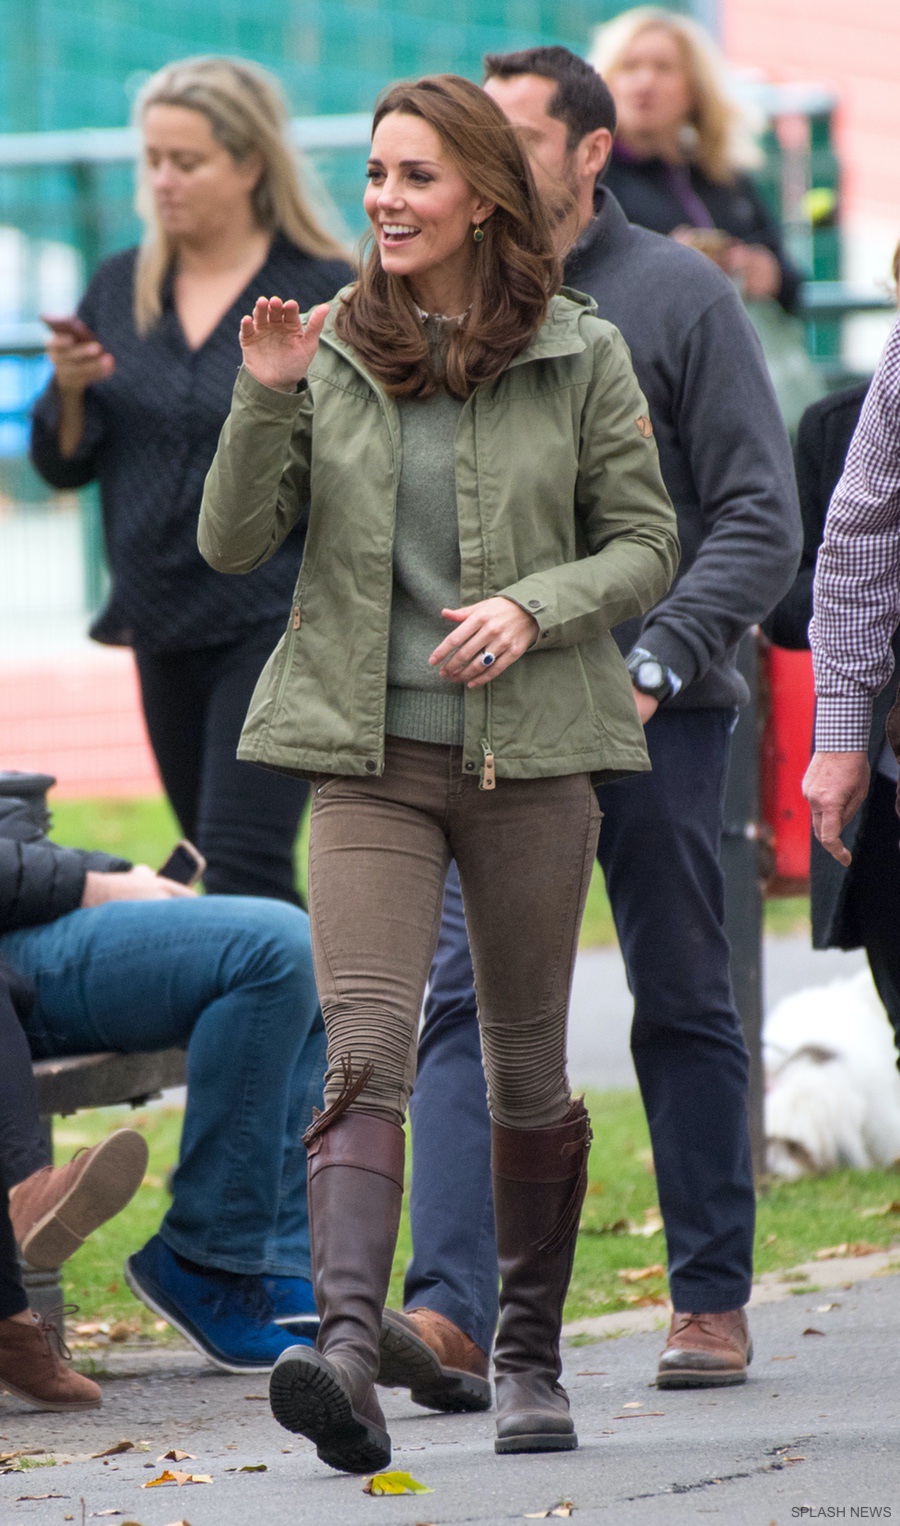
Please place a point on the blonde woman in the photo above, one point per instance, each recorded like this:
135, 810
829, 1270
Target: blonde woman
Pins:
682, 150
138, 409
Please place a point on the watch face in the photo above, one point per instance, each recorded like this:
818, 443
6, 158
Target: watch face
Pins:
650, 675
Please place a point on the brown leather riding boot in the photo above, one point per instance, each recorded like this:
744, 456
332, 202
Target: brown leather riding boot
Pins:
355, 1192
442, 1368
706, 1351
540, 1177
32, 1368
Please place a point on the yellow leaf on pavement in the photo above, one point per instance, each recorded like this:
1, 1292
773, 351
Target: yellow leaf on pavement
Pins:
394, 1483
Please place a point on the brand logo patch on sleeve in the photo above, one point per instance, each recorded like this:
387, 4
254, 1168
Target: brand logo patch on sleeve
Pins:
644, 426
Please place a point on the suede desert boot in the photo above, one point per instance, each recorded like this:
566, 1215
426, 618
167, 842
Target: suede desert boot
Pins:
32, 1368
428, 1354
55, 1209
706, 1351
355, 1191
540, 1178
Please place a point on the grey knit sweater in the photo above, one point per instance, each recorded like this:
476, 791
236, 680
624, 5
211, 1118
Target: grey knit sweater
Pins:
420, 704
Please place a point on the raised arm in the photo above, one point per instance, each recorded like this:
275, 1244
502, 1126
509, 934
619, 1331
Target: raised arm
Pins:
258, 485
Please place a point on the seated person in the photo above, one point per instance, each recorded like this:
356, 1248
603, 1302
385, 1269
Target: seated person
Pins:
31, 1353
121, 959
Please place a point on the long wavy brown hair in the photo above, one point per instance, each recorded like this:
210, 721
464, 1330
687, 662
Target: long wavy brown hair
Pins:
517, 267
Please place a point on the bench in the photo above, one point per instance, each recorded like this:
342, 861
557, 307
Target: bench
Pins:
75, 1082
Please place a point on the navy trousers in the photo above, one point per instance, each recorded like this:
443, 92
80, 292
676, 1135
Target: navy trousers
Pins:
659, 850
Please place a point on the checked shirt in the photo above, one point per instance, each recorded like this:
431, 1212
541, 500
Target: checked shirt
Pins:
856, 599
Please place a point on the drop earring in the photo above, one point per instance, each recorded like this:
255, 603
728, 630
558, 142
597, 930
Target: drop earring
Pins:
478, 233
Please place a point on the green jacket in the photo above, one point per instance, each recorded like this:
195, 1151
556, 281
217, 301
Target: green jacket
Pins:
561, 508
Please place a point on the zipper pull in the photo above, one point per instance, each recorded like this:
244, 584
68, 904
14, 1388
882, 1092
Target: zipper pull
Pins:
295, 620
488, 777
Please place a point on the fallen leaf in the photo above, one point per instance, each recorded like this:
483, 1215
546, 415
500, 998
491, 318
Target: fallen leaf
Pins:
113, 1451
394, 1483
256, 1396
20, 1497
592, 1372
173, 1455
646, 1300
652, 1224
634, 1404
564, 1509
826, 1308
254, 1467
645, 1414
811, 1330
641, 1273
770, 1239
846, 1248
123, 1329
168, 1477
782, 1359
104, 1512
795, 1459
882, 1212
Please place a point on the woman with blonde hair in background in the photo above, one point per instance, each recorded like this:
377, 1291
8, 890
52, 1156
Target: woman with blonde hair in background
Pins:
137, 404
485, 503
683, 147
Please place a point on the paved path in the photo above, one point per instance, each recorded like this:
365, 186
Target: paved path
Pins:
600, 1016
817, 1425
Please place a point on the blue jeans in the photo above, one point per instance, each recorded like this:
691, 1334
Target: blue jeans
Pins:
230, 978
659, 849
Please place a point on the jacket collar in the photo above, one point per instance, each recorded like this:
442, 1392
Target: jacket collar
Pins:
557, 335
608, 229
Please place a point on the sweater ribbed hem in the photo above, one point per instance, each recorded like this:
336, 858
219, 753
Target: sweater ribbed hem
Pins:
426, 715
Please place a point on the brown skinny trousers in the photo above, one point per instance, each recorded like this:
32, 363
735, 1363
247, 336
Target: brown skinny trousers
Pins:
378, 857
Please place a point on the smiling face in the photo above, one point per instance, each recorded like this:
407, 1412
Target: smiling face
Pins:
198, 187
651, 88
423, 212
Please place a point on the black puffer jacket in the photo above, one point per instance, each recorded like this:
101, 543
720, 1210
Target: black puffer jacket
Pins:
39, 881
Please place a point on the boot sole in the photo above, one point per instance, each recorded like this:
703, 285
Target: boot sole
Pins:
308, 1399
106, 1185
409, 1362
36, 1403
538, 1442
685, 1378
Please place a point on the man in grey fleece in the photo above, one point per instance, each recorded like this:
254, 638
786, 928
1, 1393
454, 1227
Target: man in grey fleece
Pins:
727, 465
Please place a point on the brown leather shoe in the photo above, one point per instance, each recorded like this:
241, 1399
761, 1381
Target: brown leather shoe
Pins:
54, 1210
31, 1367
426, 1353
706, 1351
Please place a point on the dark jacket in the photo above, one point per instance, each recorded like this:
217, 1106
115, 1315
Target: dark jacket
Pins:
824, 436
648, 190
723, 450
40, 881
151, 431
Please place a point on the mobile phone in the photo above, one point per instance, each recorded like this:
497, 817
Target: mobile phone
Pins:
184, 864
70, 328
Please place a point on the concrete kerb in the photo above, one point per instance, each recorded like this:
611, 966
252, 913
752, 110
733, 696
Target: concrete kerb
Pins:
139, 1360
771, 1287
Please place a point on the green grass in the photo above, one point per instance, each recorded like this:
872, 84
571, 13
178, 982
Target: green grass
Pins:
795, 1219
144, 830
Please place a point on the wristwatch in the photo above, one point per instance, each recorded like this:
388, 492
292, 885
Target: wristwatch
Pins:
649, 676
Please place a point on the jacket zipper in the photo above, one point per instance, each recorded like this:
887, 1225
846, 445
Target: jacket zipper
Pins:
488, 775
293, 627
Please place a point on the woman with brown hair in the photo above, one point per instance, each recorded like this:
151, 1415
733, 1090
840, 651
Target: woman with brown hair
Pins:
136, 404
475, 454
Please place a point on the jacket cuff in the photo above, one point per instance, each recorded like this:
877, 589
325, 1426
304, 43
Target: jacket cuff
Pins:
843, 722
671, 651
284, 405
546, 619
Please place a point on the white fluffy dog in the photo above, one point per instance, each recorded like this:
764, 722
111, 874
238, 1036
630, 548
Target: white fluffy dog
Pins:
832, 1086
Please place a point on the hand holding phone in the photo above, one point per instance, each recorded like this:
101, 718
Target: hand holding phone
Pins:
78, 356
185, 864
